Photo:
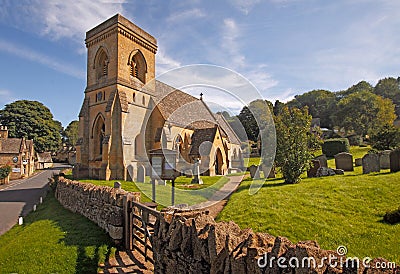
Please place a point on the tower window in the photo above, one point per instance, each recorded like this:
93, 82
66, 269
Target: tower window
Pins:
101, 64
143, 100
137, 64
134, 97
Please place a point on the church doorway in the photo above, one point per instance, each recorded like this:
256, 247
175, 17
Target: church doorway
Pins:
219, 161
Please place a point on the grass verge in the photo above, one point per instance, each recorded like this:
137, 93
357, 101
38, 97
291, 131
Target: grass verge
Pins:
54, 240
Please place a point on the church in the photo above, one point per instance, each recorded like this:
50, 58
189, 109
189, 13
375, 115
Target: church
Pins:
126, 113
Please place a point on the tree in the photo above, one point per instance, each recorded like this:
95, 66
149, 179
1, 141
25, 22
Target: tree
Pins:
321, 104
362, 111
292, 153
32, 120
360, 86
71, 133
385, 137
389, 88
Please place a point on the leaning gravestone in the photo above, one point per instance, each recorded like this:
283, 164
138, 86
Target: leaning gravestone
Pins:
344, 161
395, 161
384, 159
254, 172
312, 172
323, 161
370, 163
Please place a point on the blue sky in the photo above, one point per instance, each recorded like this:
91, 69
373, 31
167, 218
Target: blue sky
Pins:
284, 47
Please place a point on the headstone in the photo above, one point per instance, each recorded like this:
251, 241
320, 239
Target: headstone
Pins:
344, 161
323, 161
395, 161
358, 162
254, 172
384, 159
268, 172
325, 171
312, 172
117, 185
370, 163
141, 173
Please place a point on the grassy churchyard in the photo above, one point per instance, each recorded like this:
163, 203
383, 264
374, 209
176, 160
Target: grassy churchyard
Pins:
339, 210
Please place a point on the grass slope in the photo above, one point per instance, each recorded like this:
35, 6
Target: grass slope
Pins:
53, 240
340, 210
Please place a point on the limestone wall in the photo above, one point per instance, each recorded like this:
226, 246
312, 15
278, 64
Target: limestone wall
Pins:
195, 243
100, 204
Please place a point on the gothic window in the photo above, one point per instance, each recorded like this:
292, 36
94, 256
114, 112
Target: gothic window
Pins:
98, 135
101, 64
134, 97
143, 101
138, 67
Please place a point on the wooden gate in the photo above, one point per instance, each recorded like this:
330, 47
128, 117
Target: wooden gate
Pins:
140, 222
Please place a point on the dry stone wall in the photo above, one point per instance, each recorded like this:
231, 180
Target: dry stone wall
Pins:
101, 204
194, 243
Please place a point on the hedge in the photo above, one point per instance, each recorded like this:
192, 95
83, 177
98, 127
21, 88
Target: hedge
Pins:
331, 147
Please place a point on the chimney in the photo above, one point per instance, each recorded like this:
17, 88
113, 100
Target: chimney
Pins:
3, 132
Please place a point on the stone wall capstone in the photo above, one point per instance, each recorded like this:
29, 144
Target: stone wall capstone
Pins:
101, 204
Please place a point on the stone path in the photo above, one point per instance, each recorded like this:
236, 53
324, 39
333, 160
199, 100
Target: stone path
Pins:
133, 262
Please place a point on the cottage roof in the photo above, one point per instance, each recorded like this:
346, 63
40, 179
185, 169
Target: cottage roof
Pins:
44, 157
12, 145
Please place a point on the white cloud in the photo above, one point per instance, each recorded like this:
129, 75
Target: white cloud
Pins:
26, 53
59, 18
6, 96
185, 15
165, 62
245, 6
230, 35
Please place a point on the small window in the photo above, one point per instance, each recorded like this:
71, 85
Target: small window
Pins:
101, 64
143, 100
134, 97
99, 97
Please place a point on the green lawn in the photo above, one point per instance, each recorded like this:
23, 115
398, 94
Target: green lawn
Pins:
183, 193
338, 210
54, 240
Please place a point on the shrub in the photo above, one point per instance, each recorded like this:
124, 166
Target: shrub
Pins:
4, 172
331, 147
355, 140
385, 137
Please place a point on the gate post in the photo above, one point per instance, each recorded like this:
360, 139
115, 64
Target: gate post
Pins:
127, 201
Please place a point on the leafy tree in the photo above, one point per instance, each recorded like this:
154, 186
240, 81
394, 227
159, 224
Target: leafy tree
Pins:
360, 86
71, 133
278, 106
362, 111
385, 137
4, 172
389, 88
32, 120
321, 104
292, 136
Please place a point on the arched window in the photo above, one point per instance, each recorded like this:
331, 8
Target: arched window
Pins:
138, 66
98, 135
134, 97
143, 101
101, 64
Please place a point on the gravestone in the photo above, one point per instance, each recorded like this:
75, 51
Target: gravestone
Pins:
268, 172
141, 174
358, 162
312, 172
370, 163
325, 171
395, 161
323, 161
254, 172
384, 159
344, 161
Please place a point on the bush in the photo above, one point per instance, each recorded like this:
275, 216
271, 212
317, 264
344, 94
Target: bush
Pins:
332, 147
385, 137
4, 172
355, 140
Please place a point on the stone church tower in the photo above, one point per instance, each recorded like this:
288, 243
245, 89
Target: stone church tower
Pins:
121, 60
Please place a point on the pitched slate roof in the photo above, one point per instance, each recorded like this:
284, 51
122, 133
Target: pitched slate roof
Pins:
11, 145
233, 138
201, 136
182, 109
